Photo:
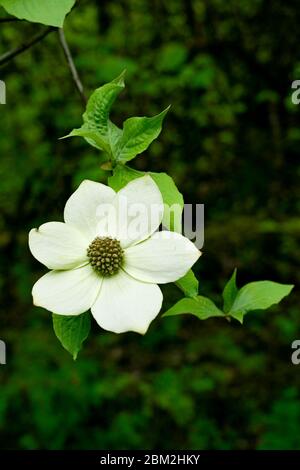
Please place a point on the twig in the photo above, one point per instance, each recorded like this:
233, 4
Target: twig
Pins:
26, 45
9, 20
72, 67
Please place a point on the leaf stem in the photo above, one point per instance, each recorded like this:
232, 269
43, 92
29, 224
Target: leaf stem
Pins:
71, 64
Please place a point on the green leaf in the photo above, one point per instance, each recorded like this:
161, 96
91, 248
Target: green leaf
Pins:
257, 296
138, 133
96, 116
230, 292
92, 137
49, 12
188, 284
173, 200
171, 196
72, 331
120, 144
114, 134
200, 306
97, 129
122, 175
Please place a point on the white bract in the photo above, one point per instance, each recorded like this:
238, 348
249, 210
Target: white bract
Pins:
110, 267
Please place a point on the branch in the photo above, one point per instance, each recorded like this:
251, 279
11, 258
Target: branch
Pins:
72, 67
26, 45
9, 20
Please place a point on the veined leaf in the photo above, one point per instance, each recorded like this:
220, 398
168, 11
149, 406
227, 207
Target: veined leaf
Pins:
72, 331
173, 200
121, 145
138, 133
188, 284
97, 129
49, 12
200, 306
258, 295
122, 175
230, 292
96, 116
92, 137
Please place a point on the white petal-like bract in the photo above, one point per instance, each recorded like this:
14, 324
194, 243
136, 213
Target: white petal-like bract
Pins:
139, 209
81, 209
125, 304
58, 246
165, 257
67, 292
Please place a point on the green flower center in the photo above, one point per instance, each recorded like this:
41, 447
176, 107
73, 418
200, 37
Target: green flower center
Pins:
105, 255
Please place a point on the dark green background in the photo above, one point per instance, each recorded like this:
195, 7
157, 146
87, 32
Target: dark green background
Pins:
230, 141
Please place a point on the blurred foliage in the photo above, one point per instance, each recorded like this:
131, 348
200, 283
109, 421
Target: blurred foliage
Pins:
231, 141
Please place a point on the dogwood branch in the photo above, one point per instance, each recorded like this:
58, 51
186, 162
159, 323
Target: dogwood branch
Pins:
26, 45
71, 64
9, 20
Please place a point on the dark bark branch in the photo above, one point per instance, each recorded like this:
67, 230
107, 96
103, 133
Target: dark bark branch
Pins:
71, 65
26, 45
9, 20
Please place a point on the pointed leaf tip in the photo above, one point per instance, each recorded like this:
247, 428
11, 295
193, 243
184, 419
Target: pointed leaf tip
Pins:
258, 295
230, 292
120, 80
138, 133
201, 307
72, 331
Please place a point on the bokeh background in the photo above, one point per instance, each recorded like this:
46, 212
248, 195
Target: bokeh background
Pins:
230, 141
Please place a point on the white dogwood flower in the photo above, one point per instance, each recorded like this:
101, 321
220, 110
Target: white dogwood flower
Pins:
106, 267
